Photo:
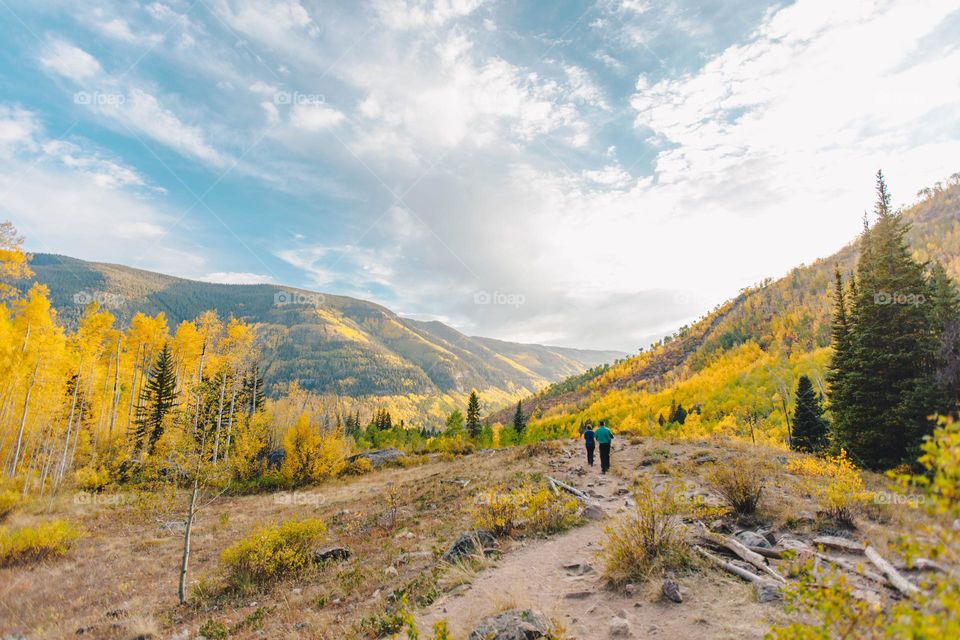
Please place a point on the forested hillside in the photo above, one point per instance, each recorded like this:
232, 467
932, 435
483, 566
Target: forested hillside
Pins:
329, 344
735, 370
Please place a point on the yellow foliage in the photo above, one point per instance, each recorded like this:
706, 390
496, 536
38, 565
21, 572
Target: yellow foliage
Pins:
525, 509
360, 466
835, 483
9, 500
32, 544
92, 479
313, 456
272, 553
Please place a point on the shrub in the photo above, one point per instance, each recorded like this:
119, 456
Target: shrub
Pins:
740, 482
32, 544
648, 540
92, 480
831, 608
272, 553
9, 500
525, 509
835, 483
311, 455
359, 467
538, 448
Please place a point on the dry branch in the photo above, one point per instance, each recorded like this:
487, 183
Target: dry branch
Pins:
853, 567
726, 566
571, 490
841, 544
740, 550
894, 577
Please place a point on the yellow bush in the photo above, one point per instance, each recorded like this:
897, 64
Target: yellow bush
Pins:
525, 509
648, 540
92, 480
311, 455
9, 500
31, 544
359, 467
834, 482
272, 553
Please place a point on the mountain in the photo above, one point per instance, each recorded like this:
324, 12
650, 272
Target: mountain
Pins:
738, 365
328, 343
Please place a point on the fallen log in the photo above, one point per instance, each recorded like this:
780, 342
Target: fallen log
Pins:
852, 567
726, 566
741, 551
841, 544
894, 577
571, 490
768, 552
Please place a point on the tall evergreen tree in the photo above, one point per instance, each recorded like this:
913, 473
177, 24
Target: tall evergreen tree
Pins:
158, 399
809, 426
839, 369
473, 415
519, 421
880, 379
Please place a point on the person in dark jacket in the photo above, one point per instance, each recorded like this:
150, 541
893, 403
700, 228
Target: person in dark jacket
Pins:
588, 439
604, 437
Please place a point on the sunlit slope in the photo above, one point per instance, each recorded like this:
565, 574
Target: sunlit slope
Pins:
327, 343
736, 365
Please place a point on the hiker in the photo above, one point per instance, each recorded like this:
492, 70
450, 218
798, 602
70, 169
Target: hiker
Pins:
604, 436
589, 441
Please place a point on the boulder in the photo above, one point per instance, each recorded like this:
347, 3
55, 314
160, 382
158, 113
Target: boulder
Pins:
378, 457
515, 624
768, 591
594, 512
470, 543
337, 554
620, 628
752, 539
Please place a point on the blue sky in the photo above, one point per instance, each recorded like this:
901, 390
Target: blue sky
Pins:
589, 174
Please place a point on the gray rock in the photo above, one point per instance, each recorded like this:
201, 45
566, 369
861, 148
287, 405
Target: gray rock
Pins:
337, 554
672, 590
752, 539
578, 595
594, 512
515, 624
379, 457
577, 568
620, 628
470, 543
768, 591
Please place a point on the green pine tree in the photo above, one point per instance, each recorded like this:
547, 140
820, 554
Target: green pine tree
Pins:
158, 399
809, 426
455, 423
881, 395
519, 422
473, 415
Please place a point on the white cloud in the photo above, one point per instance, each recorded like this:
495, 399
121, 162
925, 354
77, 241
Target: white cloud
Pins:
314, 117
118, 29
236, 277
69, 61
144, 112
415, 14
18, 130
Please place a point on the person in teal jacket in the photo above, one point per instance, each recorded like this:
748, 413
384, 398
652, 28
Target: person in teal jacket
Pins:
604, 437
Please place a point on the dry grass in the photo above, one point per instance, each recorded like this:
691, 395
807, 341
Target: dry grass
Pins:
648, 541
740, 481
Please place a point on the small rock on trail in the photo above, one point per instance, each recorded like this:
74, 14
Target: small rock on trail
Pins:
528, 624
469, 543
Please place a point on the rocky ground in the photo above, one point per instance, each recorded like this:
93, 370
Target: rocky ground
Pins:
120, 580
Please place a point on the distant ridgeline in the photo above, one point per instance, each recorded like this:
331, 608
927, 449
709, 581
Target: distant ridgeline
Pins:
735, 370
327, 343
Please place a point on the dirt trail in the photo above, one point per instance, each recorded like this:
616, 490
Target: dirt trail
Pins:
534, 576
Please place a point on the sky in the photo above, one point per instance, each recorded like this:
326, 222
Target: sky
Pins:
585, 174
